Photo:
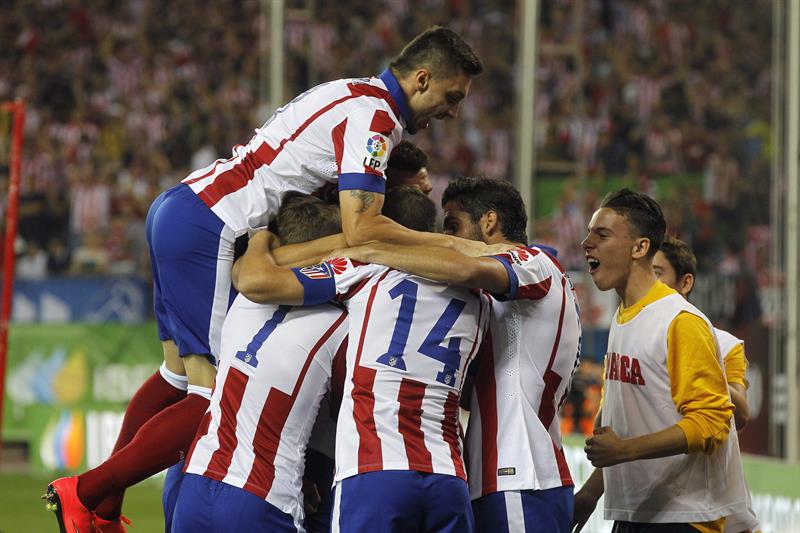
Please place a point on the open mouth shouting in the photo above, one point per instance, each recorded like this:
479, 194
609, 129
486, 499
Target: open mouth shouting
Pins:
594, 264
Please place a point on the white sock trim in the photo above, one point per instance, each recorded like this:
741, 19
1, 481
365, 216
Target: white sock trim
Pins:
205, 392
176, 380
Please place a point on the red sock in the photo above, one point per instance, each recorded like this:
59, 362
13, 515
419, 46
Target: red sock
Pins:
157, 445
153, 396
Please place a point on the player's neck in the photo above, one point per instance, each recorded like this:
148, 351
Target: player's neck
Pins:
639, 282
499, 238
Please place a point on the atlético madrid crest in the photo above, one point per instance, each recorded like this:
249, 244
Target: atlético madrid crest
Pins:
325, 270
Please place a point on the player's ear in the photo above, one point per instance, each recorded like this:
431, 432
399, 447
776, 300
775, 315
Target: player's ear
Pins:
423, 78
686, 285
490, 223
641, 247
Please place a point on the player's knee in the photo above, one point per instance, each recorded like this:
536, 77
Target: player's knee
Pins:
199, 370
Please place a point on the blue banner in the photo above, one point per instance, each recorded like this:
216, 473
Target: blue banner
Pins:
93, 300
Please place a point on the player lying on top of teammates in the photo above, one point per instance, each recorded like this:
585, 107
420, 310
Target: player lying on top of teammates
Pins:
398, 459
341, 131
518, 476
676, 266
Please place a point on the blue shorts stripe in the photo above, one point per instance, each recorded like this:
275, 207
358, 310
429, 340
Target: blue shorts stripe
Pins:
544, 511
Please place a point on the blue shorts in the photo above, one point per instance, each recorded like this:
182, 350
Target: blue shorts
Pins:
531, 511
211, 506
191, 252
402, 501
169, 494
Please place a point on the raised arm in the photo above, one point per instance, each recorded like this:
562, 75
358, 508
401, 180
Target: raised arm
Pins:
436, 263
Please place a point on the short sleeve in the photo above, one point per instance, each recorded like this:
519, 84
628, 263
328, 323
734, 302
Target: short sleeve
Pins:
363, 142
530, 274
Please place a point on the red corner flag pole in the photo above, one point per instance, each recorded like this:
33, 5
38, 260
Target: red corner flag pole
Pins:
17, 110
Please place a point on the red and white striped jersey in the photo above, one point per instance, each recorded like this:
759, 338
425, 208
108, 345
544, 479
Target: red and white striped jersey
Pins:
525, 368
410, 341
343, 129
274, 369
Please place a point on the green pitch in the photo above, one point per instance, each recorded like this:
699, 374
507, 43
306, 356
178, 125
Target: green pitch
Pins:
22, 510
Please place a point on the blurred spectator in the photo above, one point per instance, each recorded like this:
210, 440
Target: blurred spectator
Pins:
91, 256
32, 265
58, 258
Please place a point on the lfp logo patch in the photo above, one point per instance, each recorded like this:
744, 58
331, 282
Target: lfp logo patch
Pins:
376, 146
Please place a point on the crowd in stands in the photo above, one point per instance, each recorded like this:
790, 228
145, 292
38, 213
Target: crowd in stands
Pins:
125, 98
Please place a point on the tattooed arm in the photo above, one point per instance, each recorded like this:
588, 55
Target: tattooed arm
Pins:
362, 222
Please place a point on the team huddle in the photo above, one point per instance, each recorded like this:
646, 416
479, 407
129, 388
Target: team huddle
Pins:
313, 382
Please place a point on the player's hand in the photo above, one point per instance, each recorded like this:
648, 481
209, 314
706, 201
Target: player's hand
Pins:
355, 253
605, 448
311, 497
479, 248
584, 506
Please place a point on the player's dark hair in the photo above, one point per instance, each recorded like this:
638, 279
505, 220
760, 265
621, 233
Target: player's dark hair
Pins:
642, 213
477, 196
680, 256
442, 51
407, 157
410, 207
303, 218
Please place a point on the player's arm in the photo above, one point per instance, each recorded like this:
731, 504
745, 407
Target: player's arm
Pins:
700, 395
436, 263
260, 279
739, 399
363, 223
307, 253
735, 367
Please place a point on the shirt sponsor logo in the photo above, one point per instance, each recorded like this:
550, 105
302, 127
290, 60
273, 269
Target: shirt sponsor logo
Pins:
623, 368
518, 257
507, 471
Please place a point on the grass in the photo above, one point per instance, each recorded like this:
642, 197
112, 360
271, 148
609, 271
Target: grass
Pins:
22, 510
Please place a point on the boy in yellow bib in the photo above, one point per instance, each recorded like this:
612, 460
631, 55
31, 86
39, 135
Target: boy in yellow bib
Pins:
665, 456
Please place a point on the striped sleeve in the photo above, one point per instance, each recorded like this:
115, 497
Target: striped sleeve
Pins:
362, 144
697, 382
530, 274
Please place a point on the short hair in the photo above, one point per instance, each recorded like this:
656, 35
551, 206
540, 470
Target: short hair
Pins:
680, 256
410, 207
442, 51
407, 157
477, 196
643, 214
303, 218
